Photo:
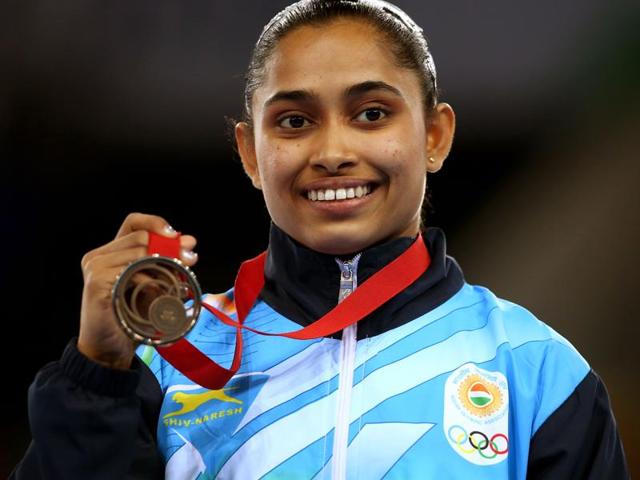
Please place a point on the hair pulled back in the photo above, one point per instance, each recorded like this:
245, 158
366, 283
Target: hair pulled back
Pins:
406, 40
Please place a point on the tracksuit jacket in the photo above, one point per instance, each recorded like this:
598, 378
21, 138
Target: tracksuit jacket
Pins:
444, 381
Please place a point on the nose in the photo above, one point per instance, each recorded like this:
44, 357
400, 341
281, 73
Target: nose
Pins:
334, 150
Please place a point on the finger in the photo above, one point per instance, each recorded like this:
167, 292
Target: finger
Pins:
122, 258
133, 239
99, 284
118, 258
188, 242
138, 238
150, 223
140, 277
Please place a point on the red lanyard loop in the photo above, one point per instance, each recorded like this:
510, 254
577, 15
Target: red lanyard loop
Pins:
374, 292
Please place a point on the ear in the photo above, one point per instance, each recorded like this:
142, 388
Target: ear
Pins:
247, 152
441, 126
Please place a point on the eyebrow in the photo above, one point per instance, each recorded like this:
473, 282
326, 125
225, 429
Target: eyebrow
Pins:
353, 91
290, 95
369, 86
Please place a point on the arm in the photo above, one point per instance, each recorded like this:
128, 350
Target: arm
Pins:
580, 439
92, 422
93, 414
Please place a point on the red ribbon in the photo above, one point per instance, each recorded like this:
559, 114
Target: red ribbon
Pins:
374, 292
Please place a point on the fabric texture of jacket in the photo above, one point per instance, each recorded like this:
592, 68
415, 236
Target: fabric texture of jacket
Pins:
444, 381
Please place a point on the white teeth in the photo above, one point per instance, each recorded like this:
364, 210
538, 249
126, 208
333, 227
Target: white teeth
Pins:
329, 194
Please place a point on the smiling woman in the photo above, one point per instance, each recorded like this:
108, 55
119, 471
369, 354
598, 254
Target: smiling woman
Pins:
400, 370
334, 112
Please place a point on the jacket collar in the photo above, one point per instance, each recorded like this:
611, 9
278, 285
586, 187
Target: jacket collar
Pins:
303, 284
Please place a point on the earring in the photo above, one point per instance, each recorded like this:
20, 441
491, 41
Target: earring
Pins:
432, 160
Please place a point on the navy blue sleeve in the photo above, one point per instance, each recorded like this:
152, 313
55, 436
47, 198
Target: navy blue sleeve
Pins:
92, 422
580, 440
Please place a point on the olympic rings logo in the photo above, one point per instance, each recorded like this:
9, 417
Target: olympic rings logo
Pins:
487, 447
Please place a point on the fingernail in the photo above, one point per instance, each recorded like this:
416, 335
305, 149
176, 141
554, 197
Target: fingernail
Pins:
188, 255
169, 230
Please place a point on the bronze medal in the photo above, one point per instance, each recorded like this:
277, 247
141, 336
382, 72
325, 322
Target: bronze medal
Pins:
156, 300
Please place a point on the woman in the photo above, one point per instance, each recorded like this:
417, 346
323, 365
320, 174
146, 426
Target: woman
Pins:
441, 380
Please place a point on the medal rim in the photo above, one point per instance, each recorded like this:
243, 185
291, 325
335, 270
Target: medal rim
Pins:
116, 299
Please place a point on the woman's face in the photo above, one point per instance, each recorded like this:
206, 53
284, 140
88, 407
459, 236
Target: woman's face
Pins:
340, 143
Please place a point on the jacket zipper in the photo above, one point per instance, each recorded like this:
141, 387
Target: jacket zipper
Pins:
348, 283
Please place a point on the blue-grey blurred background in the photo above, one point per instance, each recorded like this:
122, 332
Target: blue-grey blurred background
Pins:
111, 107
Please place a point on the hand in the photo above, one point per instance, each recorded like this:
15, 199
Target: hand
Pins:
101, 338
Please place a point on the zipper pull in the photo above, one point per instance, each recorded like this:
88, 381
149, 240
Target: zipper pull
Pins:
347, 270
347, 277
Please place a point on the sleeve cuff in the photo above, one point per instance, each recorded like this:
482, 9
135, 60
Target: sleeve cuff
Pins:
97, 378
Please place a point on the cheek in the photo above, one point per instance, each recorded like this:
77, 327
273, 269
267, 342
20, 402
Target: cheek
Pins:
402, 160
269, 161
277, 172
279, 160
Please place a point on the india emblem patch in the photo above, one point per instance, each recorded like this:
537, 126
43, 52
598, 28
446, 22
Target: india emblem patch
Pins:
476, 414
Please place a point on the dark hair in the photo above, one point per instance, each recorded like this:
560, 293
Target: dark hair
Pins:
407, 44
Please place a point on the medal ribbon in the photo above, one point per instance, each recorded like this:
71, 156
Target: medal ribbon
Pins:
374, 292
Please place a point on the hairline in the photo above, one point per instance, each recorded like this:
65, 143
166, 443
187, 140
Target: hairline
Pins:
323, 22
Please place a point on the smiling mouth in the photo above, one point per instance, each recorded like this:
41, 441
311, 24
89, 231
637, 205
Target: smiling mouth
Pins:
338, 194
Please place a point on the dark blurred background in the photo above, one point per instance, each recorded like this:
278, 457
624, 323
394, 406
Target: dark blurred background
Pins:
113, 107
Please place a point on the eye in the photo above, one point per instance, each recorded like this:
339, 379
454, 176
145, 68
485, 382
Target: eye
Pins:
293, 121
371, 115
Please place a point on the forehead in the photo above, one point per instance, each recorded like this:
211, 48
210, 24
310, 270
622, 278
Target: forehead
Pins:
334, 55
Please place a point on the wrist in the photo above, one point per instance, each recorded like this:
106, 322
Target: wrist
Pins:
117, 361
95, 377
